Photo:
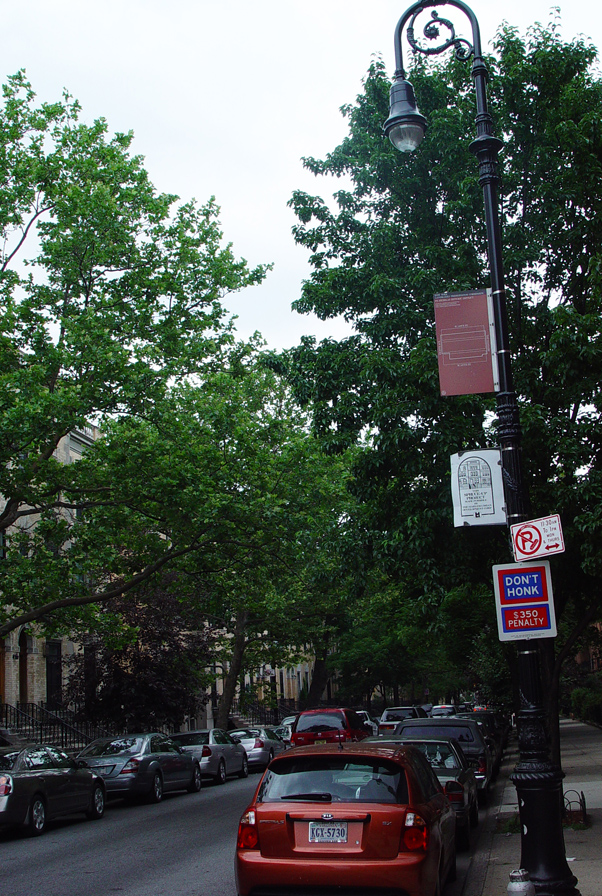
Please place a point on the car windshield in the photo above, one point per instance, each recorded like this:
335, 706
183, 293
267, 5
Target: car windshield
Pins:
244, 733
7, 760
321, 721
119, 746
334, 779
458, 732
191, 738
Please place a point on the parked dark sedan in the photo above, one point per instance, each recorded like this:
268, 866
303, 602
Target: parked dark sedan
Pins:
470, 737
455, 775
39, 783
142, 765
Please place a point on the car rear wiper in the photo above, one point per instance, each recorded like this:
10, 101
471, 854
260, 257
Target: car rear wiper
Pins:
318, 797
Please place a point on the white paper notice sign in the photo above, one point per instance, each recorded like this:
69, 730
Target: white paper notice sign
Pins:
477, 488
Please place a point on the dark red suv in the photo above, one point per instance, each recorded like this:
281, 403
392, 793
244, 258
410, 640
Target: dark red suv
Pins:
328, 726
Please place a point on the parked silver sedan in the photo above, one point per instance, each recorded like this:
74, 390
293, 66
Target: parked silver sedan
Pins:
142, 765
261, 744
39, 783
217, 753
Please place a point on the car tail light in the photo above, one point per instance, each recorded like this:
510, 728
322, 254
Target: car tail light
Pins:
259, 744
206, 751
6, 785
454, 791
482, 769
248, 835
131, 767
415, 835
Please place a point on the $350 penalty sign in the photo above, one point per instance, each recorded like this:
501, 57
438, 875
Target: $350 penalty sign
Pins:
524, 601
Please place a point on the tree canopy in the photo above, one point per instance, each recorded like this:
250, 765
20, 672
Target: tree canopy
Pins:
110, 293
404, 227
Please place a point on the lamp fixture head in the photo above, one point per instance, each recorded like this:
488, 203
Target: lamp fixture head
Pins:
405, 127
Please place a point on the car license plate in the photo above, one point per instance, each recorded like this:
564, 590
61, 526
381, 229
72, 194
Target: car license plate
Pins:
320, 741
327, 833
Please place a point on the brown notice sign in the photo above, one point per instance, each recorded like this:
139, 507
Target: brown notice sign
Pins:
466, 349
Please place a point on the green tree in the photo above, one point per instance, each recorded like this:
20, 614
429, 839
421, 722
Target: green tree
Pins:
109, 293
146, 666
412, 225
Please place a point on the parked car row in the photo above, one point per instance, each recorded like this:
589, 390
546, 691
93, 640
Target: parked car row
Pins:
346, 806
481, 734
39, 783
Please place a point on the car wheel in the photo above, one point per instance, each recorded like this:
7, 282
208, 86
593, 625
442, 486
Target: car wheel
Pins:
474, 814
221, 773
156, 791
196, 782
270, 757
36, 822
244, 772
483, 796
97, 805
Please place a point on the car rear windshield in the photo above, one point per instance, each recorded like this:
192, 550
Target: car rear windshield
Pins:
334, 779
127, 745
398, 715
7, 760
439, 753
192, 738
245, 733
321, 721
462, 733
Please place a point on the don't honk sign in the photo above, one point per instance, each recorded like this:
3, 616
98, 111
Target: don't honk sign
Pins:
524, 601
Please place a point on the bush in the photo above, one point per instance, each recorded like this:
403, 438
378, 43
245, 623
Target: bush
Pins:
586, 702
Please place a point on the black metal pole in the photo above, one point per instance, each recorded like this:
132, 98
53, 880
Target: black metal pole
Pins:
538, 782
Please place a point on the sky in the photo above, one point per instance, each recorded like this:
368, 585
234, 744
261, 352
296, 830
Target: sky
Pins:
225, 98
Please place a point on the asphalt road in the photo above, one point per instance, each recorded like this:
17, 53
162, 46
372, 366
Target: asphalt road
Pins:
182, 847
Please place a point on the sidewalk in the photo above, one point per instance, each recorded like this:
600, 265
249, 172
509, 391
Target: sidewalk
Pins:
498, 853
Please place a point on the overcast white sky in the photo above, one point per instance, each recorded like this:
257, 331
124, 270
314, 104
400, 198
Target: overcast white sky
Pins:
226, 96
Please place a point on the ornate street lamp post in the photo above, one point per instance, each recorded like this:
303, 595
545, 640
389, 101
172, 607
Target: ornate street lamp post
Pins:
538, 782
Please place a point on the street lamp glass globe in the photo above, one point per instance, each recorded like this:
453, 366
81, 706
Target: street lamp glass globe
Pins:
406, 137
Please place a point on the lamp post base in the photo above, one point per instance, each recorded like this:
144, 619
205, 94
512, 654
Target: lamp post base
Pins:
539, 788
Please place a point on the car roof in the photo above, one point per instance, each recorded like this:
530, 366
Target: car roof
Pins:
443, 721
414, 738
196, 731
389, 751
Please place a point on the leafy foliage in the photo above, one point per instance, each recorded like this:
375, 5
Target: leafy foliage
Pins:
109, 294
148, 670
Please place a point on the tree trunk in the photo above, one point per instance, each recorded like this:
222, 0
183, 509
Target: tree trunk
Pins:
231, 678
319, 679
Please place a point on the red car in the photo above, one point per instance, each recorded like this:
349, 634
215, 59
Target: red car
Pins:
361, 816
328, 726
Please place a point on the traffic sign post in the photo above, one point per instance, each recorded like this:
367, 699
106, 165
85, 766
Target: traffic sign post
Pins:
537, 538
524, 601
